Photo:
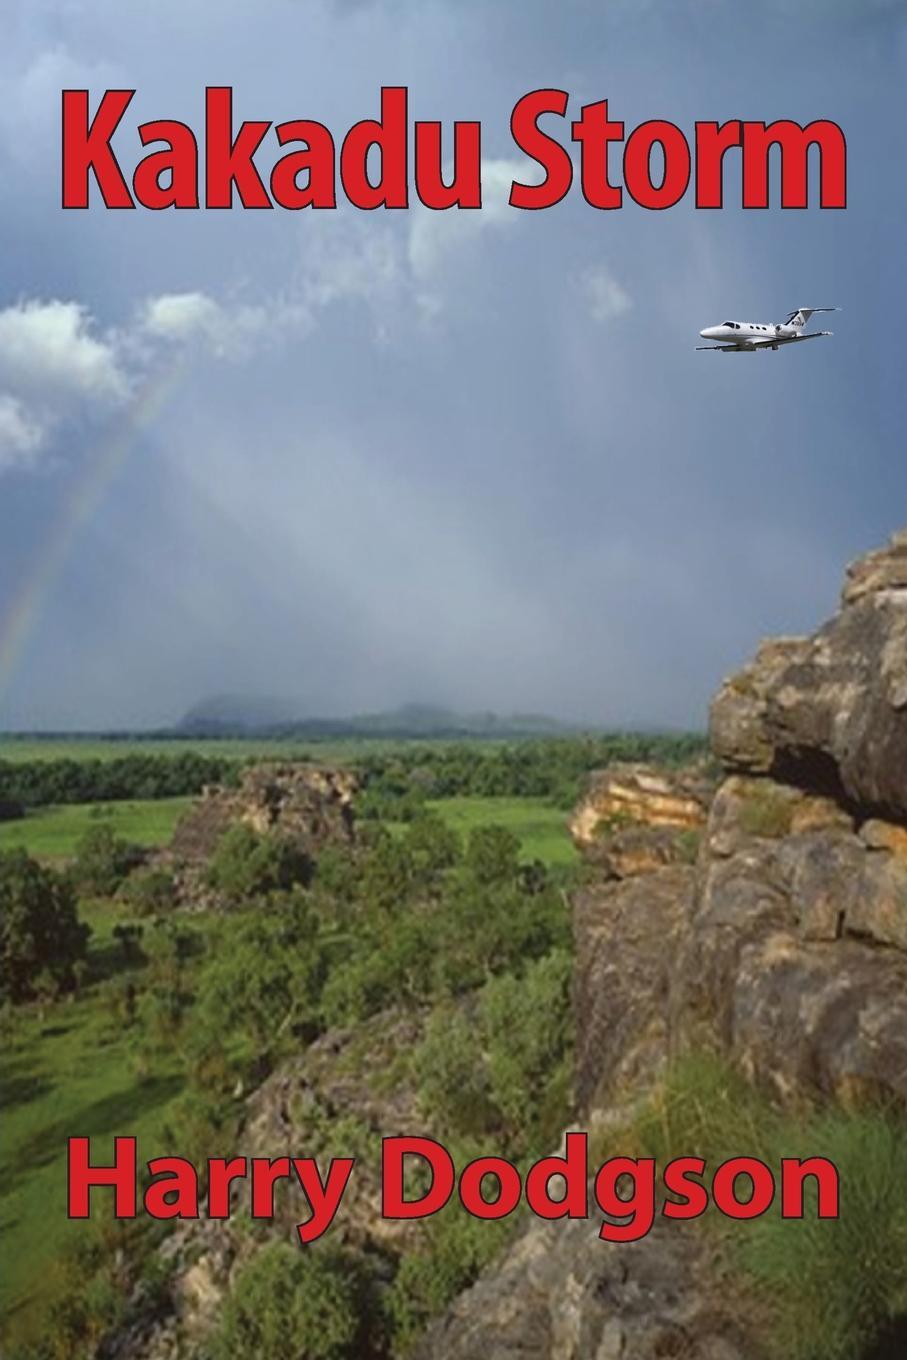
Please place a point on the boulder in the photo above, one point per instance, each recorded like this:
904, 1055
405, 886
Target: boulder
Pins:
829, 712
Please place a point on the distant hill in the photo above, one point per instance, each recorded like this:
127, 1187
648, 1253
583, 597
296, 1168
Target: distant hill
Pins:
231, 716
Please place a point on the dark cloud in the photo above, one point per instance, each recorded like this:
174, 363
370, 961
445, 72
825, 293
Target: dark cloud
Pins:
410, 457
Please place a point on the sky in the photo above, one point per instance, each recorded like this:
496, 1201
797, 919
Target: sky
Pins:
357, 459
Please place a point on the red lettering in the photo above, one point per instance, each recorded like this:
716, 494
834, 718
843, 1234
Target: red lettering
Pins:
317, 161
693, 1198
510, 1187
595, 132
179, 1179
393, 1152
638, 165
390, 137
324, 1196
712, 141
550, 154
221, 1175
573, 1168
81, 1176
465, 187
794, 141
264, 1173
724, 1184
794, 1172
88, 149
179, 163
229, 160
639, 1207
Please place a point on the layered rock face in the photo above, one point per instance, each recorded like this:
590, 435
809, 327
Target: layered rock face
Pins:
783, 947
633, 819
307, 803
831, 710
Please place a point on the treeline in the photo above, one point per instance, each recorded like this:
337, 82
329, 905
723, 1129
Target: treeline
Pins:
39, 783
396, 784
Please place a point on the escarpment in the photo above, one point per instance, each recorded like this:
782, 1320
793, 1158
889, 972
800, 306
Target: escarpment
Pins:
766, 922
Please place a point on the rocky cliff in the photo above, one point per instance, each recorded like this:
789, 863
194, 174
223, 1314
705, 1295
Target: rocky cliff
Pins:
783, 947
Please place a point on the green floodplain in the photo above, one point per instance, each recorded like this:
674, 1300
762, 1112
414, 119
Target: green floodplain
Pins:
72, 1065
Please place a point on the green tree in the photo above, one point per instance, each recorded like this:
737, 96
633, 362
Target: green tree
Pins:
102, 861
492, 855
247, 864
41, 936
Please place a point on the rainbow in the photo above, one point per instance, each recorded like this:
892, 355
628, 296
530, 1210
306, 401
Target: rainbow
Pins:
19, 621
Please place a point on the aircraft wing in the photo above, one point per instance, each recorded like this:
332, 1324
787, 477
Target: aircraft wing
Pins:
724, 347
789, 339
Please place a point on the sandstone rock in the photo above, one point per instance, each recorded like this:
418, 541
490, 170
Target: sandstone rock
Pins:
830, 712
883, 569
879, 910
626, 940
560, 1293
879, 835
626, 795
307, 803
793, 961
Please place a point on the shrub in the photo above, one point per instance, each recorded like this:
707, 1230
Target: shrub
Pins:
458, 1247
299, 1305
41, 937
149, 892
246, 864
492, 855
527, 1027
102, 861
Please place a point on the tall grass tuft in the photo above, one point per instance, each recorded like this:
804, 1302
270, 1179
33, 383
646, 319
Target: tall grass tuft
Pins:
822, 1289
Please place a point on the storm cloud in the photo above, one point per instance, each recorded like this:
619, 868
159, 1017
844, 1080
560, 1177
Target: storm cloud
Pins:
357, 459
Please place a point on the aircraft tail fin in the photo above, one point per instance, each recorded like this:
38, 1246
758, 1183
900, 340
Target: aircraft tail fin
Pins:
800, 317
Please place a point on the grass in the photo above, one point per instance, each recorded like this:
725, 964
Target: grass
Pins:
343, 750
821, 1289
541, 828
65, 1072
54, 832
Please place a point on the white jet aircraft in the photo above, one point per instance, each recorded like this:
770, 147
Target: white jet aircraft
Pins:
747, 336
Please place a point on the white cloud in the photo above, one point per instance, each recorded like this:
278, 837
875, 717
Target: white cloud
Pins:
21, 436
48, 348
227, 330
605, 297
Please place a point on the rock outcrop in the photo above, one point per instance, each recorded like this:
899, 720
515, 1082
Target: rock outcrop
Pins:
783, 948
562, 1294
830, 711
306, 803
633, 819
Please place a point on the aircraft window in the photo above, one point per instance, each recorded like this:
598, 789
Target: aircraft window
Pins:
728, 323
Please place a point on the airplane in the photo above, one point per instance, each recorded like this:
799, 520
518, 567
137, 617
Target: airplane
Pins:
738, 337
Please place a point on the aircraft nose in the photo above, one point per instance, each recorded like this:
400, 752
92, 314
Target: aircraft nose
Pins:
708, 333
